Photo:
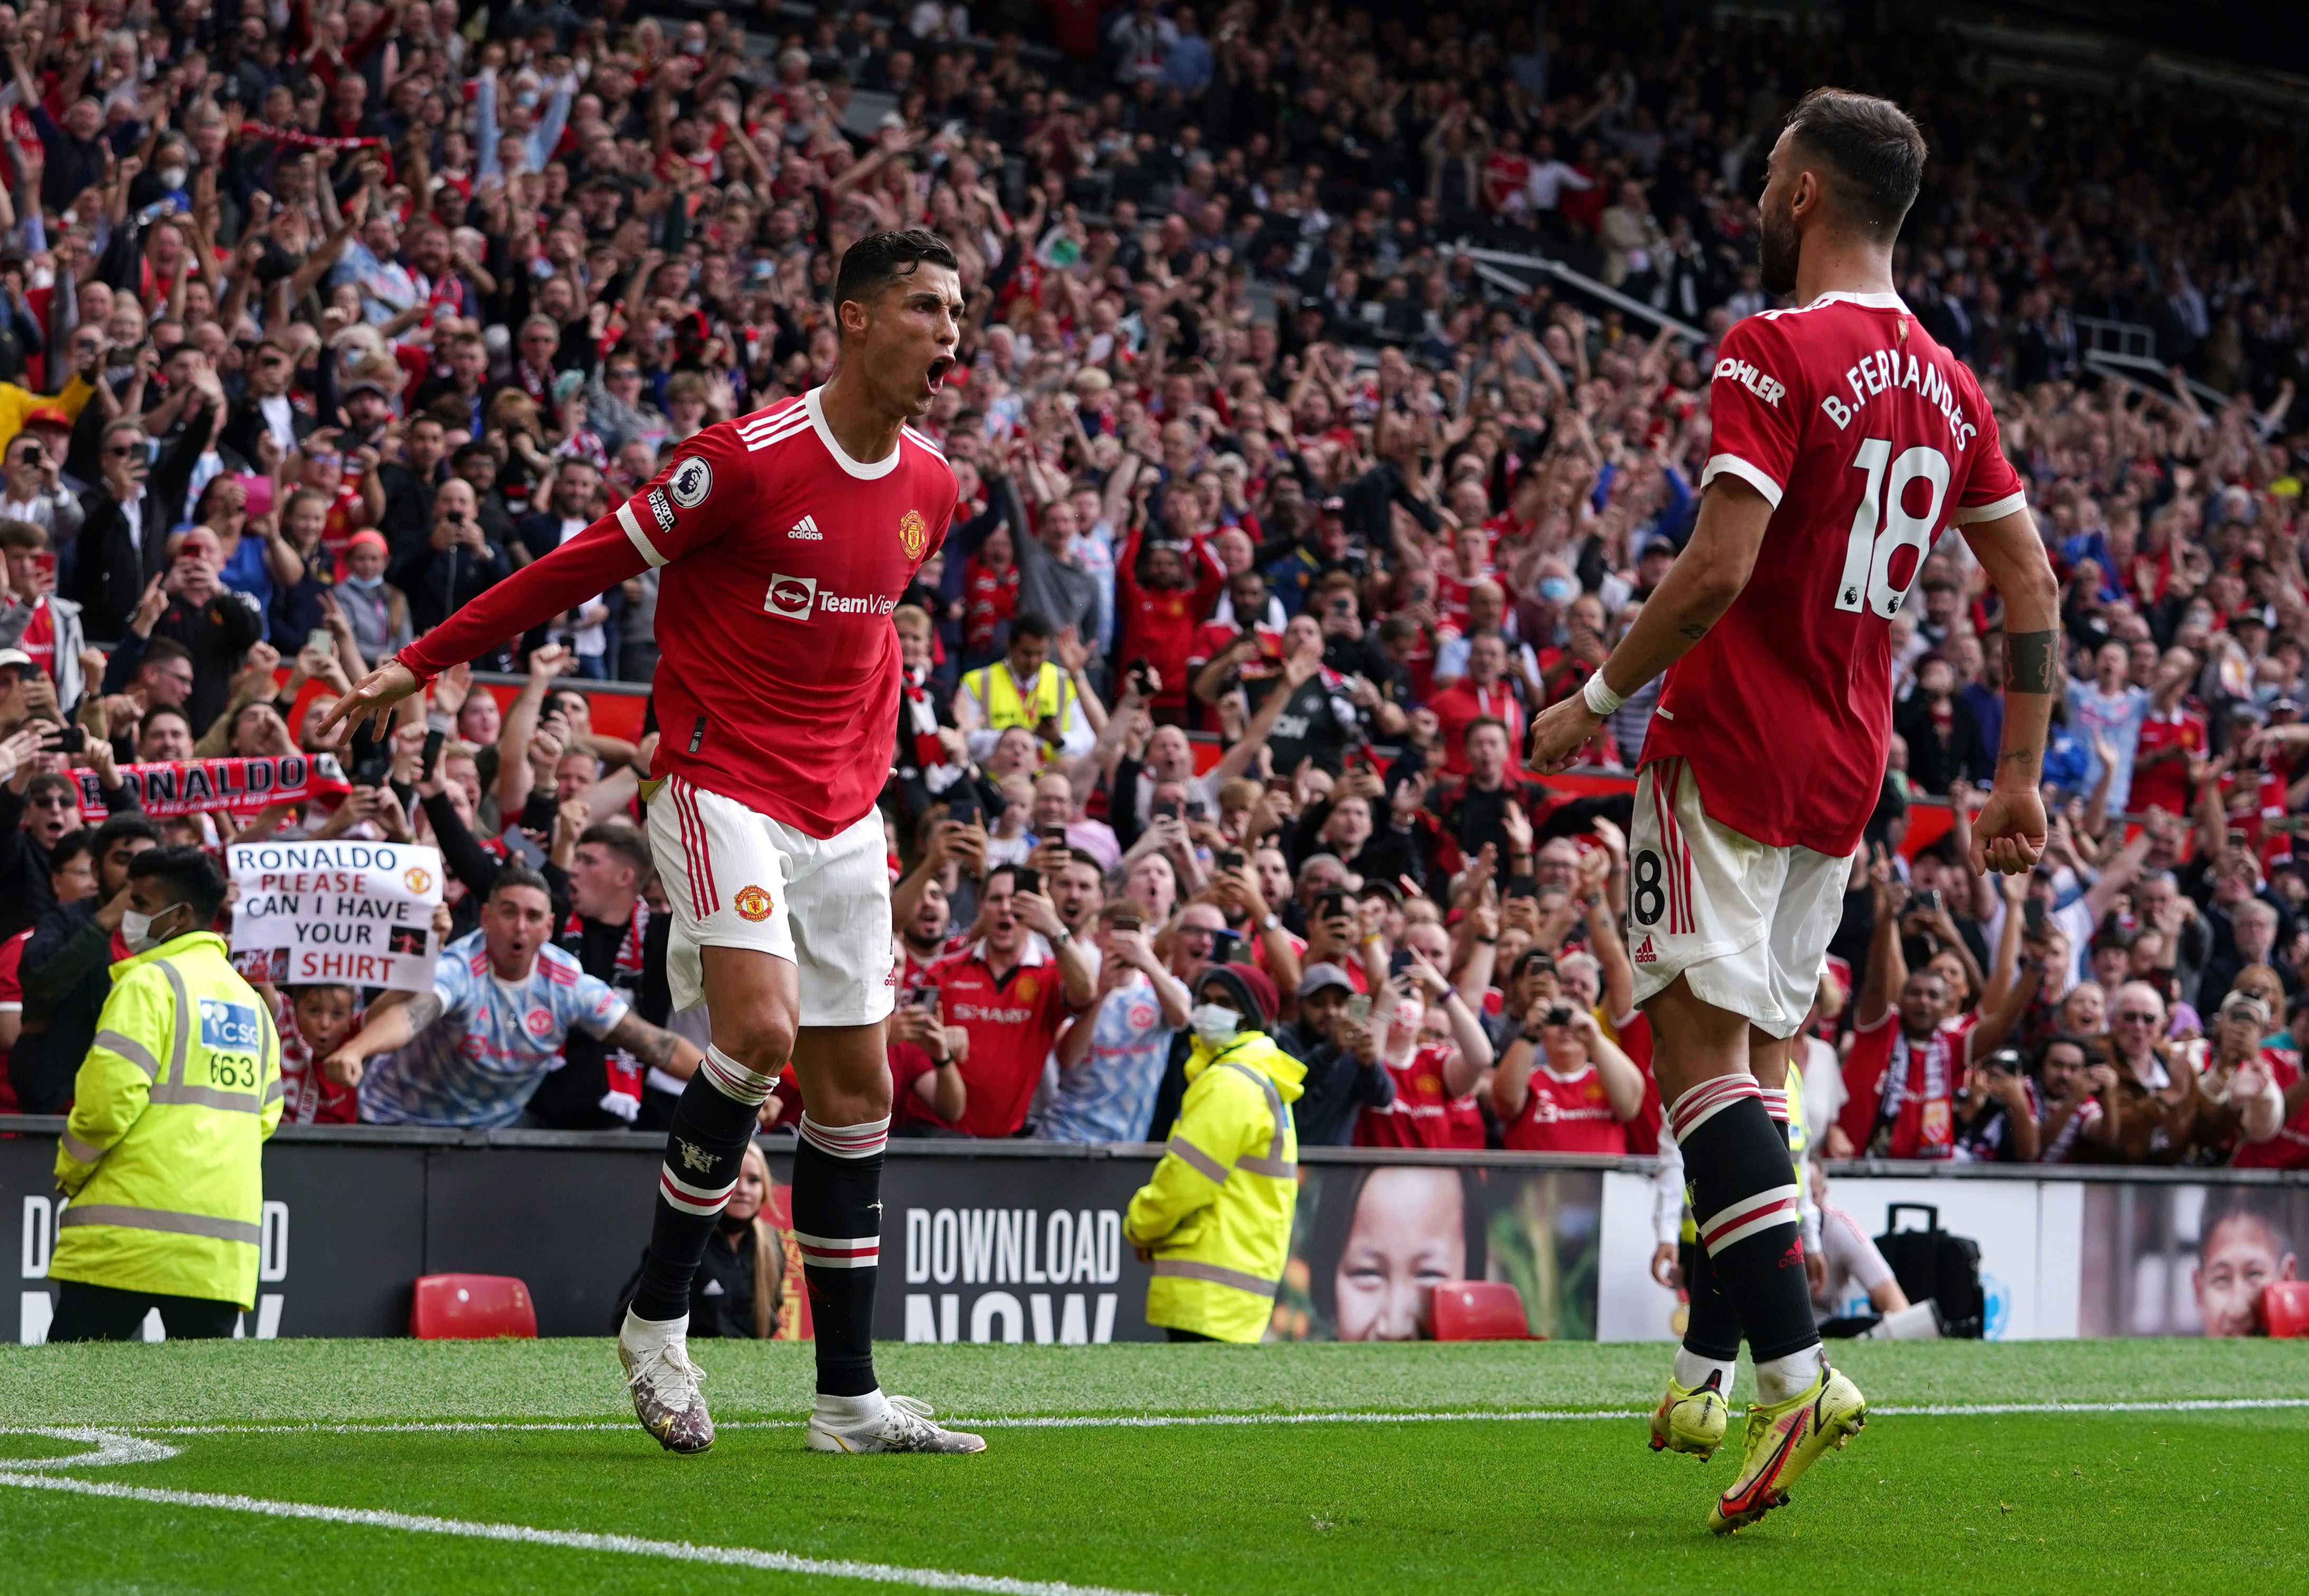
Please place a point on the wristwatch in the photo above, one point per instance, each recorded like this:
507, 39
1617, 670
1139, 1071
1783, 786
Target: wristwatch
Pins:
1272, 922
1061, 937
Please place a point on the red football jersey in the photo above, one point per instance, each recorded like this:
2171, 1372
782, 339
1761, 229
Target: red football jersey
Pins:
12, 1002
2165, 785
1012, 1023
1868, 439
1567, 1113
782, 559
2289, 1148
1420, 1115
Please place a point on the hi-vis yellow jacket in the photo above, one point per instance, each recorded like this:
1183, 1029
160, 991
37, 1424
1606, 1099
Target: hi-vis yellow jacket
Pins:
162, 1157
1217, 1212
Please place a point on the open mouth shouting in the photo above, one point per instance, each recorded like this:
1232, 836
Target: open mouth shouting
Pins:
934, 378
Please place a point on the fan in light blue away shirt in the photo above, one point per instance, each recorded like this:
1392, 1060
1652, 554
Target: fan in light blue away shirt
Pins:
1109, 1095
478, 1066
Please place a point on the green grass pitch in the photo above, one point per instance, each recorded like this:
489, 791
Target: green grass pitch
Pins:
2162, 1496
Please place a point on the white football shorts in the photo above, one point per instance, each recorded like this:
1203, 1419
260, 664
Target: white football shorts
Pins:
736, 878
1745, 924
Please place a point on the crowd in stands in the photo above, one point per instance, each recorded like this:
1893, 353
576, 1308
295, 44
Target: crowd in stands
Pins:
1280, 518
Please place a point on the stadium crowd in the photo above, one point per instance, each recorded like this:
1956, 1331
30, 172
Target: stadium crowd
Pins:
1279, 520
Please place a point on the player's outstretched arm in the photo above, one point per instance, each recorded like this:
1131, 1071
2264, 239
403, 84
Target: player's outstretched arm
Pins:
2008, 836
1699, 588
370, 702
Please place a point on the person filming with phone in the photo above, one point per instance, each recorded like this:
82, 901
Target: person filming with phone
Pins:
1112, 1058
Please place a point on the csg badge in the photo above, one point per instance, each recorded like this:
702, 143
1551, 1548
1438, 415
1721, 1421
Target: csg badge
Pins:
913, 534
417, 880
691, 481
752, 903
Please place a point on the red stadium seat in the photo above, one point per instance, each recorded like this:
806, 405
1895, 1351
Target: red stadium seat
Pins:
2285, 1307
1479, 1311
471, 1307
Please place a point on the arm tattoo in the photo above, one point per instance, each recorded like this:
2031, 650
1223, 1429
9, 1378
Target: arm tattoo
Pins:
422, 1010
2032, 662
1694, 631
643, 1039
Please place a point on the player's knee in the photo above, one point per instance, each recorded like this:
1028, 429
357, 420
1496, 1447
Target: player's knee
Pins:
762, 1042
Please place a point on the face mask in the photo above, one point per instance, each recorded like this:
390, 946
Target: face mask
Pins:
366, 584
137, 930
1214, 1022
1558, 590
171, 178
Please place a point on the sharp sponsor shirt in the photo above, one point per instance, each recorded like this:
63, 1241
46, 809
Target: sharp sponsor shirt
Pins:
478, 1064
782, 559
1868, 439
1012, 1021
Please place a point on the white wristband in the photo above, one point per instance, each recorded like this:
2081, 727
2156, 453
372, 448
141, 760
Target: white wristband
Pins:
1600, 699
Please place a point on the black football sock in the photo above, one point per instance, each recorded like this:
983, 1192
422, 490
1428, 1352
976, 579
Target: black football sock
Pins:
1744, 1199
1711, 1328
837, 1225
712, 1124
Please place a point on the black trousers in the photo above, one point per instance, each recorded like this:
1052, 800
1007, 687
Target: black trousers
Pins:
1177, 1335
86, 1313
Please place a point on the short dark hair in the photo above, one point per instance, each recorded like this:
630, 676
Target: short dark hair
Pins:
1027, 623
509, 877
132, 823
49, 781
879, 259
190, 872
161, 650
156, 712
1874, 146
628, 843
70, 847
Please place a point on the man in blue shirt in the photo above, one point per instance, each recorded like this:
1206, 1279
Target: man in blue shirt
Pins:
470, 1053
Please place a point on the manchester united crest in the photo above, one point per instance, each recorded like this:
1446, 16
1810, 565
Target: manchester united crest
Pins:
417, 880
913, 534
1025, 989
752, 903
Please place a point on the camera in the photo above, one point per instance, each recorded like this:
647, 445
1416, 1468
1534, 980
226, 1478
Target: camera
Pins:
1560, 1014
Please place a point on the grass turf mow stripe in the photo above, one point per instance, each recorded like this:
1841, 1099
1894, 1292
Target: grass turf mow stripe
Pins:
682, 1551
1200, 1420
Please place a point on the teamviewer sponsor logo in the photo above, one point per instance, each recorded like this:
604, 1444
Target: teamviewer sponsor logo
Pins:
791, 597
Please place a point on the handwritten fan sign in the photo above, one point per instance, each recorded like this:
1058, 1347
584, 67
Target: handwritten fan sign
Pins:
358, 914
236, 785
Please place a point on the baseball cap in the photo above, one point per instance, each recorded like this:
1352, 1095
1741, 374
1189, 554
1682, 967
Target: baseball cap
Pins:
364, 385
1320, 978
2242, 1001
12, 657
46, 415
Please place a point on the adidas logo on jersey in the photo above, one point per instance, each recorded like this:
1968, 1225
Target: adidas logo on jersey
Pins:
1643, 954
805, 531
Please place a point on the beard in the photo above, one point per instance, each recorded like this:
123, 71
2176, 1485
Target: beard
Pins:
1777, 245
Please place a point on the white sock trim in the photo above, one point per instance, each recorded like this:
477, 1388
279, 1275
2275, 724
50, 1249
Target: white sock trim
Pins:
848, 1413
1691, 1371
1778, 1379
734, 1081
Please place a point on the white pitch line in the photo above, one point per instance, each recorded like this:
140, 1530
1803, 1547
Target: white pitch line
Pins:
681, 1552
1206, 1421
